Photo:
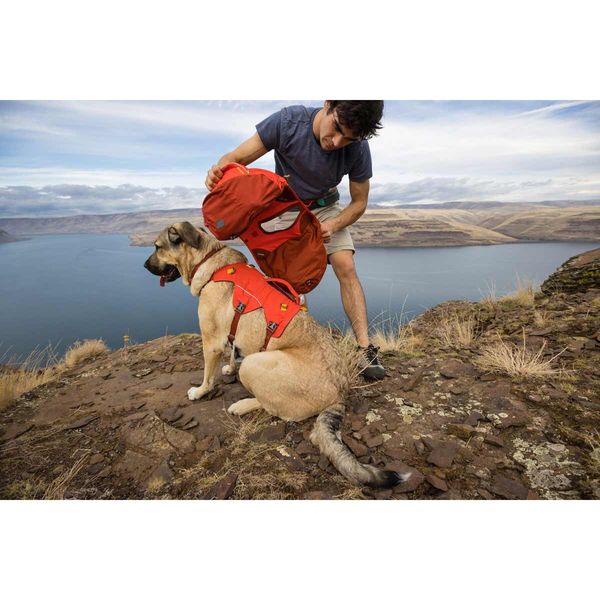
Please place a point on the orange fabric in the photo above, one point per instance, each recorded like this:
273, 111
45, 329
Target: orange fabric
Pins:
253, 290
246, 198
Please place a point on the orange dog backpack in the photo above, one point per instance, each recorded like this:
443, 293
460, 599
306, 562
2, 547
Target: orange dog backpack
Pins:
243, 201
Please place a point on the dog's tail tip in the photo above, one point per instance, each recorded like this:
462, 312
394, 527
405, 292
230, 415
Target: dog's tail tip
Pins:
390, 479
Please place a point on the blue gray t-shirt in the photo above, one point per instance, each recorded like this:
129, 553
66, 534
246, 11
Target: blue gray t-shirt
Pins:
312, 171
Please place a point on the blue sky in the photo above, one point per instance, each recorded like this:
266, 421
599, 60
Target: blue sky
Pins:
92, 157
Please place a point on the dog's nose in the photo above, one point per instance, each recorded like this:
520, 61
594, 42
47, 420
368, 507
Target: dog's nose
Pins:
147, 264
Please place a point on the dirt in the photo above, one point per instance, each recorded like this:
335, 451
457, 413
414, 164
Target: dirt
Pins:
121, 426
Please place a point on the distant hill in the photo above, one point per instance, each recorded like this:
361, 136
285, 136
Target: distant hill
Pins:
5, 237
450, 224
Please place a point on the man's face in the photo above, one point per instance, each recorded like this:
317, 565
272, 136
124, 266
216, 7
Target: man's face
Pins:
333, 135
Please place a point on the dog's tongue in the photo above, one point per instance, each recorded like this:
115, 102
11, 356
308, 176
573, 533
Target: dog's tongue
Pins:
162, 281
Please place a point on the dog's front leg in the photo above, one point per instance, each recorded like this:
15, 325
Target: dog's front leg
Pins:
212, 357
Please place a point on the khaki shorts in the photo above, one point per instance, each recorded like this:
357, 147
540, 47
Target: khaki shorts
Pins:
340, 240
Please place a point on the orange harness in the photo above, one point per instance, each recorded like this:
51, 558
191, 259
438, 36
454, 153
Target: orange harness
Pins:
253, 290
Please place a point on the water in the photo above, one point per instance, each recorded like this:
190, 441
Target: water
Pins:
57, 289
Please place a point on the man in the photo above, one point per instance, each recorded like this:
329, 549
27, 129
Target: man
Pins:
314, 148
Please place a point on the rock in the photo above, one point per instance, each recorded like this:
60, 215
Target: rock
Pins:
451, 495
509, 488
222, 489
474, 418
137, 416
452, 369
384, 494
542, 332
485, 494
357, 448
414, 380
356, 425
488, 377
419, 446
82, 422
171, 414
395, 453
305, 448
143, 373
494, 441
317, 495
436, 482
464, 432
443, 454
373, 441
158, 358
457, 389
578, 274
271, 433
289, 457
14, 430
96, 459
95, 469
190, 425
415, 480
323, 463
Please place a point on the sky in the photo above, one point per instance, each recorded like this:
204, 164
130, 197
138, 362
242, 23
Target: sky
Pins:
64, 158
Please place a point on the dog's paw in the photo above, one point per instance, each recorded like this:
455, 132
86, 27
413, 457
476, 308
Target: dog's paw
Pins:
241, 407
194, 393
227, 370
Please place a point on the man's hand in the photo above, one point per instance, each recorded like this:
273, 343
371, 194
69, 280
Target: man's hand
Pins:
213, 176
327, 230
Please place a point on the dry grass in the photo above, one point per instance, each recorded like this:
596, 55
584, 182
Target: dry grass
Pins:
490, 299
457, 331
351, 357
516, 360
541, 318
397, 338
56, 490
38, 368
594, 442
81, 351
524, 295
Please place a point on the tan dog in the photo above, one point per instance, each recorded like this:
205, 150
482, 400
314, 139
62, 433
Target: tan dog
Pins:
301, 374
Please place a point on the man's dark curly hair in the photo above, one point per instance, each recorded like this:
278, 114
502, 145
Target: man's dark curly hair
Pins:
361, 117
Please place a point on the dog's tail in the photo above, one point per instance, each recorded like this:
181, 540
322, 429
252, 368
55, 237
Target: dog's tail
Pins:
327, 436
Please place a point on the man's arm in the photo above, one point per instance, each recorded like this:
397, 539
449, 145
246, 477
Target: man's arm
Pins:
247, 152
359, 196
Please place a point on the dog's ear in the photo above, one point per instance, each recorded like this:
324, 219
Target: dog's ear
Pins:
185, 232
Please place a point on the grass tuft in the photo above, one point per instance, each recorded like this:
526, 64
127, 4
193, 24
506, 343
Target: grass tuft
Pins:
457, 331
41, 366
516, 360
80, 351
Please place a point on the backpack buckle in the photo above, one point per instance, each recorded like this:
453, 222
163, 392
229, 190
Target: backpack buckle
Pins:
240, 307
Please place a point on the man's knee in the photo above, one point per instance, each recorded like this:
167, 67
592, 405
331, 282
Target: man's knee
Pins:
343, 265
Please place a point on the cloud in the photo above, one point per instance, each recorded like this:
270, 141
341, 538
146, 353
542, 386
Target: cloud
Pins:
75, 199
453, 189
122, 156
68, 200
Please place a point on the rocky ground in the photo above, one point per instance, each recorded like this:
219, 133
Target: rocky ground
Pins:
121, 426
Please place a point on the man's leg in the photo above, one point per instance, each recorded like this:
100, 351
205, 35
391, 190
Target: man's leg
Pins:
353, 297
355, 307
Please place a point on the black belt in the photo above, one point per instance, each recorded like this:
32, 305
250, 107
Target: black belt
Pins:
327, 200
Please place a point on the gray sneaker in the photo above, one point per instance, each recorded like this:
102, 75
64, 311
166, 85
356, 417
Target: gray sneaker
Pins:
372, 368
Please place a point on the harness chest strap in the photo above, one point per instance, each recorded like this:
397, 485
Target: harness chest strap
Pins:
252, 291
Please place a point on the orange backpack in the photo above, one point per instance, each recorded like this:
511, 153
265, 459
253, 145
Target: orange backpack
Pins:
243, 200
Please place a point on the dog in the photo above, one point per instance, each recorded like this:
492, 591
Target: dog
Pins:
300, 375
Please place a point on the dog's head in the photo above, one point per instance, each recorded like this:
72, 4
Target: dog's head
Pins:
175, 249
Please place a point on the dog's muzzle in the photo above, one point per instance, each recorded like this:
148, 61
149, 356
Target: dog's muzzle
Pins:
168, 274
